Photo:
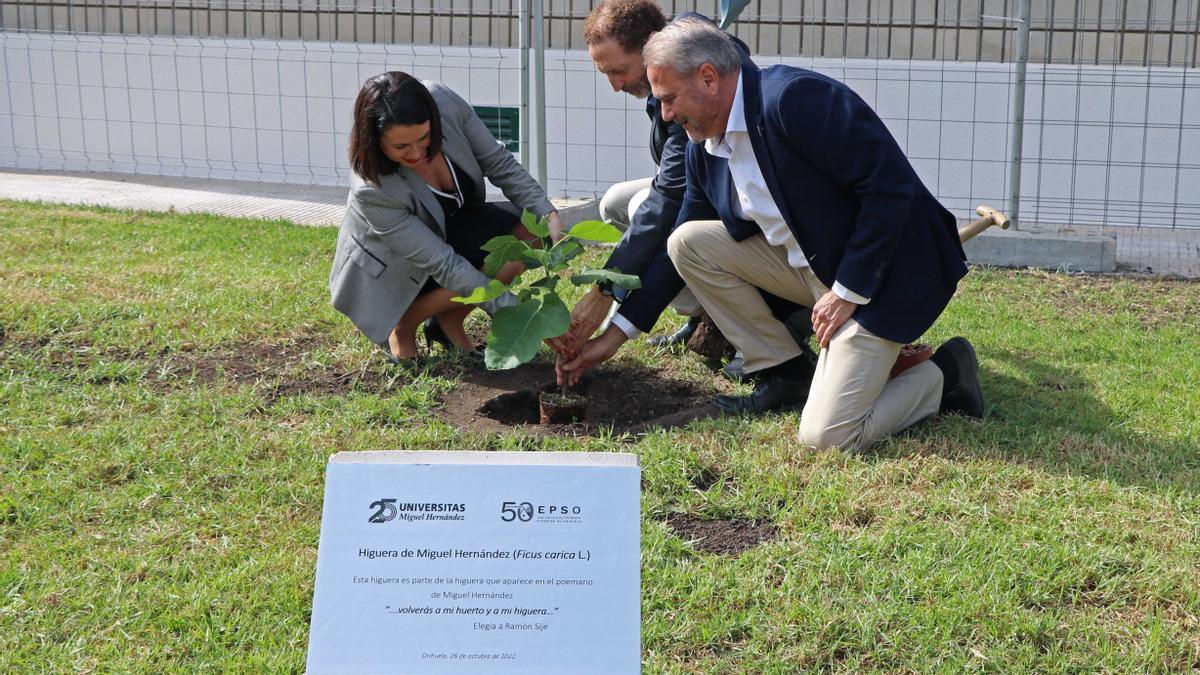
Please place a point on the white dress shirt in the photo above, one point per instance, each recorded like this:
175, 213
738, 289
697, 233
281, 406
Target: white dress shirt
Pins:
754, 200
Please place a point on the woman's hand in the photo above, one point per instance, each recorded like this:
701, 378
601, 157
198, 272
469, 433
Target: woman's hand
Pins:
556, 226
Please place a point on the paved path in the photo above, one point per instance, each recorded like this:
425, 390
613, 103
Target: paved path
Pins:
304, 204
1146, 250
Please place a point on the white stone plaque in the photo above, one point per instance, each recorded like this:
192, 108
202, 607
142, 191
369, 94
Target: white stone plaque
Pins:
478, 562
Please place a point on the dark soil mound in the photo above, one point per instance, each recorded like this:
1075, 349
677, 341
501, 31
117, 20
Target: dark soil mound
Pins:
627, 400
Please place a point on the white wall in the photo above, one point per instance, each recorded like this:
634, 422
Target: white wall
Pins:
1099, 142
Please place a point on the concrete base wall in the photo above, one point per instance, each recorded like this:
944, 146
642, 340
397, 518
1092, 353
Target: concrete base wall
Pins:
1061, 252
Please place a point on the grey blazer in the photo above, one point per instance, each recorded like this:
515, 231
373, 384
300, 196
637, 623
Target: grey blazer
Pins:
393, 237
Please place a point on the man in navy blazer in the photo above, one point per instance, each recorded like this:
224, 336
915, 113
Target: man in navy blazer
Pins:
795, 187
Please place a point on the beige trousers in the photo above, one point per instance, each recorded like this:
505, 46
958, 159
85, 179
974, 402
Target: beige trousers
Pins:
851, 403
622, 200
617, 207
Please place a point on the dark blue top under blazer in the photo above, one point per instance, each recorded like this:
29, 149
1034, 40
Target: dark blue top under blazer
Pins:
847, 192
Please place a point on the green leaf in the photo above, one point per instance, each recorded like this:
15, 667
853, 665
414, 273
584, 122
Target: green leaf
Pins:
503, 249
537, 226
549, 283
563, 252
494, 289
596, 230
501, 242
518, 331
535, 258
626, 281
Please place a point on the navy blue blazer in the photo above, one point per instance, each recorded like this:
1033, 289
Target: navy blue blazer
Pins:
847, 192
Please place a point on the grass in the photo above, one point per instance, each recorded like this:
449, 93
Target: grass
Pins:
159, 504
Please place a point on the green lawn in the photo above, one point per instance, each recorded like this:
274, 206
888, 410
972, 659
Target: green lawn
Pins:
160, 497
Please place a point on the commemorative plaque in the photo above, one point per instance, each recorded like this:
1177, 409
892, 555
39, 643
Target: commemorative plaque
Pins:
478, 562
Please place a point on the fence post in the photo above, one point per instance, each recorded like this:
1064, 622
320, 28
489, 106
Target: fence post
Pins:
1018, 113
539, 85
523, 48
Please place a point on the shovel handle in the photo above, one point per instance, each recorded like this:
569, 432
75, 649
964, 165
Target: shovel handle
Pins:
988, 217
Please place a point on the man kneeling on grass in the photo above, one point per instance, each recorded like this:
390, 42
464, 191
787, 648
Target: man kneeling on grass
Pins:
795, 187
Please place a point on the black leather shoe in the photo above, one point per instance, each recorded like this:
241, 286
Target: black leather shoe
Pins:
736, 368
679, 337
961, 392
772, 393
434, 333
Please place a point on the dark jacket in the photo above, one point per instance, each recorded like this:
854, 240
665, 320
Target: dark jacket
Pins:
847, 192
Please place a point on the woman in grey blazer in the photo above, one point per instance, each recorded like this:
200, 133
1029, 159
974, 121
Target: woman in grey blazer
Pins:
416, 216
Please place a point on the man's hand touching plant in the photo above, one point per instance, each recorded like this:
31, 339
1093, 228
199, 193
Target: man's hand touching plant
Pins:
594, 352
586, 317
538, 312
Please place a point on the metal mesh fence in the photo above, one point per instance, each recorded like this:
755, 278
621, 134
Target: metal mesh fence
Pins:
263, 91
1126, 32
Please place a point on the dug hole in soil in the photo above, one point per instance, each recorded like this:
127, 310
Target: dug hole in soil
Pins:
729, 536
624, 399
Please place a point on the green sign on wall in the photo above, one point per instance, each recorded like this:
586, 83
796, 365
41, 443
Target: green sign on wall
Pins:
504, 123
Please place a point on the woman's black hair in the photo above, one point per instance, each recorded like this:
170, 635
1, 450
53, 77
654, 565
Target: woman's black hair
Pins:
389, 98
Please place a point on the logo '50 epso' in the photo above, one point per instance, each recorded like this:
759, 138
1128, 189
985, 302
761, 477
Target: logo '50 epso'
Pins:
525, 511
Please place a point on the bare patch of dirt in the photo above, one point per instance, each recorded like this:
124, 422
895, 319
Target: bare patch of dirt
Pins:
722, 537
281, 368
627, 400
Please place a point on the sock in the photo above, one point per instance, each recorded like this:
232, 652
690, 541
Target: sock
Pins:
798, 369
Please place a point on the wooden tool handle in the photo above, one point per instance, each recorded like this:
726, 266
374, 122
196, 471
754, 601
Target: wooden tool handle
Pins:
988, 218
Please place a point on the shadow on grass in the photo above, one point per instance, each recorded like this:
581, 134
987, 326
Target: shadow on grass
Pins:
1052, 418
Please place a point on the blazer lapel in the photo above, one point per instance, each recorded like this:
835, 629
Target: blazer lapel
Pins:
406, 181
455, 146
752, 97
430, 202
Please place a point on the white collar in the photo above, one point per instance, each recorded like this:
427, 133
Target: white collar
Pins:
736, 121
